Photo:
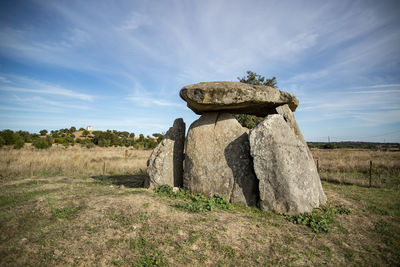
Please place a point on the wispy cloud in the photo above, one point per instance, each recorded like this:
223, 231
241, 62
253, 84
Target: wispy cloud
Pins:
135, 21
50, 91
341, 101
375, 92
29, 85
367, 107
41, 102
4, 80
378, 86
149, 101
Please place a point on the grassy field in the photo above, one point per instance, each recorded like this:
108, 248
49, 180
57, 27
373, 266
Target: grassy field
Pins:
77, 216
352, 166
70, 161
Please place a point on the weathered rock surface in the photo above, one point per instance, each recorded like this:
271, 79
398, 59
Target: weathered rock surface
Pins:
236, 97
288, 115
291, 121
165, 164
217, 159
288, 178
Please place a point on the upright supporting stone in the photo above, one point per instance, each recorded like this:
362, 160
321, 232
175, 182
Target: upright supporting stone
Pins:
288, 178
288, 115
217, 159
165, 164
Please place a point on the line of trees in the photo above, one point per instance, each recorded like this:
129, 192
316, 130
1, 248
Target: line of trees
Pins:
67, 137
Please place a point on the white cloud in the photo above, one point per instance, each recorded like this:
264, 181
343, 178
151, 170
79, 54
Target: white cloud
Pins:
302, 41
378, 118
135, 21
50, 91
4, 80
149, 101
377, 86
365, 108
28, 85
43, 102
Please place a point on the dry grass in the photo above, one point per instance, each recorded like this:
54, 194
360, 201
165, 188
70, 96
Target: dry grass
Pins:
89, 220
352, 166
340, 165
81, 221
71, 161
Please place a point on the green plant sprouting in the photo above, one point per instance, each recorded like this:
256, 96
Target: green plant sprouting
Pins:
319, 219
194, 203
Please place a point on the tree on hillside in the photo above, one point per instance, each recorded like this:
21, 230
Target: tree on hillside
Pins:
124, 134
141, 138
19, 141
64, 130
72, 129
8, 137
85, 133
43, 143
43, 132
25, 135
2, 142
251, 121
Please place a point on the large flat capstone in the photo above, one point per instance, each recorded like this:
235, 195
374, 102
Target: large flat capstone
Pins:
217, 159
165, 164
236, 98
288, 178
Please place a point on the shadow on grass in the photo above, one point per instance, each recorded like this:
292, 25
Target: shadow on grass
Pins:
131, 181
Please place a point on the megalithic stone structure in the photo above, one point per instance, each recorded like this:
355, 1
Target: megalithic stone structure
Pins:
271, 166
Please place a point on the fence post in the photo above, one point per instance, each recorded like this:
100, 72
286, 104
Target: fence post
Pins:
370, 173
30, 169
104, 168
317, 166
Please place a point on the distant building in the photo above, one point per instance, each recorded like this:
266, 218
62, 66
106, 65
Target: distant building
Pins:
89, 128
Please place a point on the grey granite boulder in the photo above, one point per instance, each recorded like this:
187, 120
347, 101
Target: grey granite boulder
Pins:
236, 98
217, 159
165, 164
288, 178
288, 116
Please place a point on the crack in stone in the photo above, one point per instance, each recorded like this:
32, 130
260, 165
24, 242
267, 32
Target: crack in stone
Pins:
216, 120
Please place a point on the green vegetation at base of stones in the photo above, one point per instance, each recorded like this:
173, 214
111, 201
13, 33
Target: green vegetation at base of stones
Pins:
195, 203
319, 219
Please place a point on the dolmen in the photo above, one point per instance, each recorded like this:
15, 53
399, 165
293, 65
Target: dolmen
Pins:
269, 166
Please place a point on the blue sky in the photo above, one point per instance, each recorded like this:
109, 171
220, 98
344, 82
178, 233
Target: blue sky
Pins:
120, 64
